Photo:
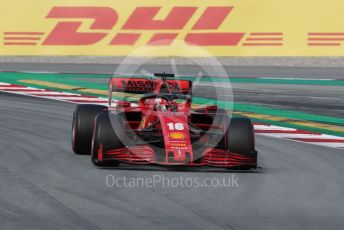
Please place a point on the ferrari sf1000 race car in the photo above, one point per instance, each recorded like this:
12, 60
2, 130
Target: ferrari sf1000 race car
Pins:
161, 127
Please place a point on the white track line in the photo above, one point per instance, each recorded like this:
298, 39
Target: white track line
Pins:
297, 135
329, 144
80, 98
51, 93
16, 87
272, 127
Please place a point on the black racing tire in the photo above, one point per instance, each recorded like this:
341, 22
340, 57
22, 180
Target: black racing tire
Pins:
82, 128
240, 136
104, 134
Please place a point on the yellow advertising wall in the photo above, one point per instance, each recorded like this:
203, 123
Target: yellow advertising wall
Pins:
266, 28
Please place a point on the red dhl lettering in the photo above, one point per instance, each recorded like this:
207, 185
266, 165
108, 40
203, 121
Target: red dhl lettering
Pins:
142, 18
204, 32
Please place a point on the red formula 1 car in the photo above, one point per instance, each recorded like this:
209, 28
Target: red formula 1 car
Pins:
161, 128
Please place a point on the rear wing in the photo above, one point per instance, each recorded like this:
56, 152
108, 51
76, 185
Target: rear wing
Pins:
146, 85
131, 85
181, 86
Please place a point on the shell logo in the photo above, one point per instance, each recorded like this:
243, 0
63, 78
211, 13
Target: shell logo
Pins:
177, 136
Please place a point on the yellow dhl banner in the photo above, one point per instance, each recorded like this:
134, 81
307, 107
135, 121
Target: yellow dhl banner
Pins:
172, 28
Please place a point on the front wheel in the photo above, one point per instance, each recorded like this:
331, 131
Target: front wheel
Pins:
105, 138
240, 136
82, 127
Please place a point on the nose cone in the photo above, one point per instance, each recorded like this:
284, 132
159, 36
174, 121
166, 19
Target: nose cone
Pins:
177, 141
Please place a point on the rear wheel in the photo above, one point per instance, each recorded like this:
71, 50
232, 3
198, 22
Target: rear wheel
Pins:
105, 138
82, 128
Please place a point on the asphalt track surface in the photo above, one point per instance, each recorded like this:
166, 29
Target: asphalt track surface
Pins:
43, 185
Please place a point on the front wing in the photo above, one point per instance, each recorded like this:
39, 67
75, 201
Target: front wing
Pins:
210, 157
